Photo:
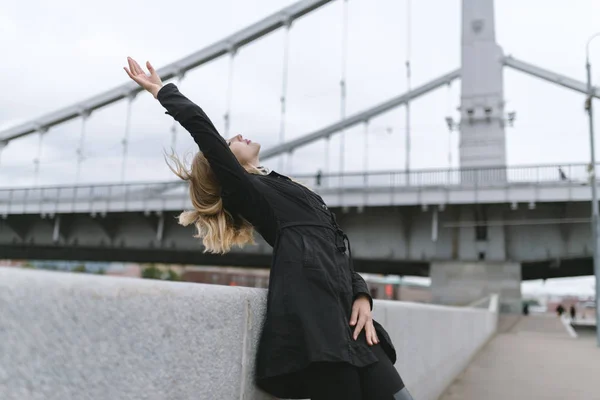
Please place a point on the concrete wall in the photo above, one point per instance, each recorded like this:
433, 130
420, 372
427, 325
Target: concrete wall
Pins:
69, 336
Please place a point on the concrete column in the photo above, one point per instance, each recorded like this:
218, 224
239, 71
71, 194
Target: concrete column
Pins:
460, 283
482, 141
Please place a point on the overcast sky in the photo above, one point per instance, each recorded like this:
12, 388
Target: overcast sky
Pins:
57, 53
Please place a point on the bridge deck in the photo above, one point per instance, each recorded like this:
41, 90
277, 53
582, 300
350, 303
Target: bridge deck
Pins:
535, 359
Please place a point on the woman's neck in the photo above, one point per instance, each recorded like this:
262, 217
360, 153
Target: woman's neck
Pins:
255, 163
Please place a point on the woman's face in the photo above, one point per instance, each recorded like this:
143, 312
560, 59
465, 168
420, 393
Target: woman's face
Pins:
245, 150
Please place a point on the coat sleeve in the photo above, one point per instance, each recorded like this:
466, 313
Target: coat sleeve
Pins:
227, 169
235, 181
359, 287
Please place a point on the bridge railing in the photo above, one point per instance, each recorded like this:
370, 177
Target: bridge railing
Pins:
482, 177
148, 193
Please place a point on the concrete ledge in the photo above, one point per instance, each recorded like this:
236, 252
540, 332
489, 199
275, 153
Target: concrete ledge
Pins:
70, 336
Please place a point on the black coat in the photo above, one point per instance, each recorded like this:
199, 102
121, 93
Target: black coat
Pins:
312, 283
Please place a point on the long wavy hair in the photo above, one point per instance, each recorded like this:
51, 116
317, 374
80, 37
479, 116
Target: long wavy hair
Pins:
218, 229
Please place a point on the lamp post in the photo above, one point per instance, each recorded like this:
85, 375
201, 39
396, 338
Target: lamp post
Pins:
590, 94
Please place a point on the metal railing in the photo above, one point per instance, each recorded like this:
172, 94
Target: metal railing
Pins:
100, 195
568, 174
482, 177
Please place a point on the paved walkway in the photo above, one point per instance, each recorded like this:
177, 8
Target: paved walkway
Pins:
534, 359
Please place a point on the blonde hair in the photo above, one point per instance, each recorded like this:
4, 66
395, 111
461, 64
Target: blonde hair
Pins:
218, 229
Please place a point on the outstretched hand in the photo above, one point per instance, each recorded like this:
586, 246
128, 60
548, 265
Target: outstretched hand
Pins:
151, 83
361, 318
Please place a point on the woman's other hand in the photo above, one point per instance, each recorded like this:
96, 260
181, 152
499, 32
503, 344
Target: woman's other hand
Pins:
361, 318
151, 83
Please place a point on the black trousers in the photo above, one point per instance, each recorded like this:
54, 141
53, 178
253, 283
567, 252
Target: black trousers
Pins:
342, 381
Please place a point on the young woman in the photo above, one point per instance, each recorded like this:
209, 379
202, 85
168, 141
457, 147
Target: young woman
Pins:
318, 340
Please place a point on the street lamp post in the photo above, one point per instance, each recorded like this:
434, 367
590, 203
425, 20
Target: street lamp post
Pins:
595, 231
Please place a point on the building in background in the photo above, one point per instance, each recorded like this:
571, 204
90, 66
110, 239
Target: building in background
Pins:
12, 263
230, 276
394, 287
381, 287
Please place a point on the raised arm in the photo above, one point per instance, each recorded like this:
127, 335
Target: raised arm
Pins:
235, 181
231, 175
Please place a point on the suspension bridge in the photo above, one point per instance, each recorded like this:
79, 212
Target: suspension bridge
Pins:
482, 212
477, 228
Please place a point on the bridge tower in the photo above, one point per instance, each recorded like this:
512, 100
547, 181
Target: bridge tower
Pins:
482, 136
483, 159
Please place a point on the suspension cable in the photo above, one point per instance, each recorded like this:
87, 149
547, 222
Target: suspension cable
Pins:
229, 93
37, 159
80, 149
450, 123
344, 62
175, 123
125, 140
284, 85
408, 85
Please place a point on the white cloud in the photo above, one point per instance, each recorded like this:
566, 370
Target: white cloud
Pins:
71, 61
8, 29
52, 63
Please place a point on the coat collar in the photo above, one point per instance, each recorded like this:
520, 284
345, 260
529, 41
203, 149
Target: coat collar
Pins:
273, 173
